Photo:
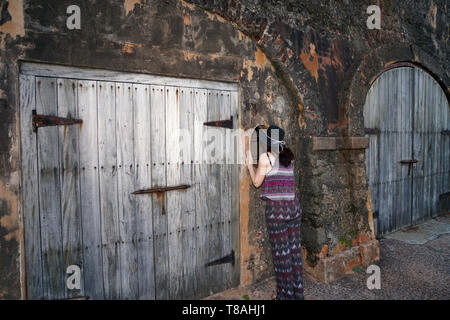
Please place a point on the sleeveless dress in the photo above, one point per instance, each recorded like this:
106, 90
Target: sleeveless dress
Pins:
283, 220
278, 189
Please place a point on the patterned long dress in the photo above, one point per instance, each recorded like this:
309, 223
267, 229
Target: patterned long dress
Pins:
283, 219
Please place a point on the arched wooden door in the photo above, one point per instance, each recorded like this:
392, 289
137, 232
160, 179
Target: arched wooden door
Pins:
407, 118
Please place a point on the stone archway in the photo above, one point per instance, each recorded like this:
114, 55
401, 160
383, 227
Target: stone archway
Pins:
365, 71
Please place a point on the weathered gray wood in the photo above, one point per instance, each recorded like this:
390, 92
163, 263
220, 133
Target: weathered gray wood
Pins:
383, 213
126, 186
72, 241
173, 171
225, 191
187, 197
408, 112
30, 201
235, 154
201, 191
214, 229
445, 153
30, 68
406, 146
121, 241
53, 277
419, 129
429, 176
89, 186
108, 189
144, 214
158, 154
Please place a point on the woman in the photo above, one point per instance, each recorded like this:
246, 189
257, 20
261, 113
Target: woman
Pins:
275, 175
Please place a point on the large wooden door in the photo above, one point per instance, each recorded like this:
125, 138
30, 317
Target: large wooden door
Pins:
138, 133
405, 115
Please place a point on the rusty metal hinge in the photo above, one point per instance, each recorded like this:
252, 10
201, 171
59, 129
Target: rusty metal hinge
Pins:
410, 163
40, 120
161, 189
372, 131
220, 123
445, 132
227, 259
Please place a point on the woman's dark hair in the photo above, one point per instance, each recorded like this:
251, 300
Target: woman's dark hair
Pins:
285, 156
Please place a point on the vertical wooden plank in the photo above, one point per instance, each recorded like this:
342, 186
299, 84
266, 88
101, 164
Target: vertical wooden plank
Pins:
445, 152
201, 190
158, 154
125, 176
421, 149
383, 213
391, 147
418, 172
89, 186
214, 137
70, 189
30, 200
49, 193
173, 171
406, 147
108, 189
187, 197
144, 214
409, 110
426, 148
225, 189
397, 135
236, 153
436, 150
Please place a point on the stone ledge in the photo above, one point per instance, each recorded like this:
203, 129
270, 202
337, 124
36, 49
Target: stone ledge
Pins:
329, 269
339, 143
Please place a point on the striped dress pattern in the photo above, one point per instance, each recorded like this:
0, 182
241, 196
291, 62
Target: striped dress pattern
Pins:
283, 219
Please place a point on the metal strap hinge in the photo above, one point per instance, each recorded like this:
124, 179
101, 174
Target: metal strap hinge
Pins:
410, 163
227, 259
161, 189
220, 123
40, 120
372, 131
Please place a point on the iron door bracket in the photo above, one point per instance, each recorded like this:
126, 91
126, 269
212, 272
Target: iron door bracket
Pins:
410, 163
40, 120
161, 189
227, 259
220, 123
